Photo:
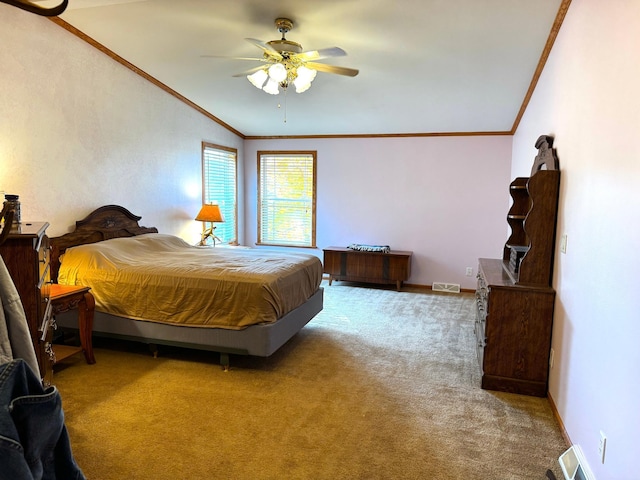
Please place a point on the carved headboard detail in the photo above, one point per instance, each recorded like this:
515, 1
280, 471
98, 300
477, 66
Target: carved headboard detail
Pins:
104, 223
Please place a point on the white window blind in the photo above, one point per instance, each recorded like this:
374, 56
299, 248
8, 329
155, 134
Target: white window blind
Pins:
287, 198
219, 182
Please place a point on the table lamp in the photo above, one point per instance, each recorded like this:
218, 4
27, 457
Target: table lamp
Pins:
209, 213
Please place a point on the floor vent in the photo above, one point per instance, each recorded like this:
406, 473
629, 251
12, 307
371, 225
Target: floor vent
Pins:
446, 287
574, 466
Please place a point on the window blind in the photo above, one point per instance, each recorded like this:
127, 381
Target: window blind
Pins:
286, 191
219, 172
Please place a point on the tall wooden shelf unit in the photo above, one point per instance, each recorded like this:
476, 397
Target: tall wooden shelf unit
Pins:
514, 296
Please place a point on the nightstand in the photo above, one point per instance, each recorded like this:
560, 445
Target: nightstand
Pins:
69, 297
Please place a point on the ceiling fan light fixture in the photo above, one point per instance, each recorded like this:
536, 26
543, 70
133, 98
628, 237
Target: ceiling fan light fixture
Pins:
304, 78
278, 72
258, 78
285, 63
271, 87
306, 74
302, 87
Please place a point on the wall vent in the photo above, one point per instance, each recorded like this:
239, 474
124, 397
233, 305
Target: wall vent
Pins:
574, 466
446, 287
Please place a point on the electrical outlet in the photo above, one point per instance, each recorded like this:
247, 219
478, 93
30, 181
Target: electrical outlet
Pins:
602, 446
469, 272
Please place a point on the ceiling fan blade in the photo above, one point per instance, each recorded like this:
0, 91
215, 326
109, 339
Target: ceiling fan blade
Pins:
265, 47
235, 58
321, 67
312, 55
248, 72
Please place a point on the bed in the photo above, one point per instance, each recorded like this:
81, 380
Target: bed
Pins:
157, 289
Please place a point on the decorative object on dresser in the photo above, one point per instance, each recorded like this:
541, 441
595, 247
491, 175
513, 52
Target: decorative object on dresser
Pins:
367, 265
25, 252
514, 297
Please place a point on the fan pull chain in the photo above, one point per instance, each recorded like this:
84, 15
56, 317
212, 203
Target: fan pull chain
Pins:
284, 90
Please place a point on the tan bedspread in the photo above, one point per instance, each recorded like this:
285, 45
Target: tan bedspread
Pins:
162, 278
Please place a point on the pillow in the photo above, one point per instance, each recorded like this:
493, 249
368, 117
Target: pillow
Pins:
370, 248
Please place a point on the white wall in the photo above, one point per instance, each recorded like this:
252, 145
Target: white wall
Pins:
588, 98
444, 198
78, 131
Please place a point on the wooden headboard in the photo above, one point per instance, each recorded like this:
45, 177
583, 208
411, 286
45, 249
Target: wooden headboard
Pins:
104, 223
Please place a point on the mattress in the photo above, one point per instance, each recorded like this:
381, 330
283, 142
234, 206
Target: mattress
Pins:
161, 278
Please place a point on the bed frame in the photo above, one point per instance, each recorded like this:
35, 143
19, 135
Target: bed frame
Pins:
113, 221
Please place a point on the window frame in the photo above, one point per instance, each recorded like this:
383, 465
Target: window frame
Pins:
287, 153
206, 198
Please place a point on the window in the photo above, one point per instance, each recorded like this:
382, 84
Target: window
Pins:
219, 185
287, 198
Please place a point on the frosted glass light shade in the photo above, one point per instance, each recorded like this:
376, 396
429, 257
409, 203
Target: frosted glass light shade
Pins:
258, 78
306, 74
302, 87
271, 87
304, 79
277, 72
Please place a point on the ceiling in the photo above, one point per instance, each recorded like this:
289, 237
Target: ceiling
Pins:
426, 66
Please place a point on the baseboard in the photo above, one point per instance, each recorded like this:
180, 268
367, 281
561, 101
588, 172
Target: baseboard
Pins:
514, 385
429, 287
417, 286
558, 418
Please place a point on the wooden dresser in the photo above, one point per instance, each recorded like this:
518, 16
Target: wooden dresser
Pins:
514, 297
26, 255
367, 267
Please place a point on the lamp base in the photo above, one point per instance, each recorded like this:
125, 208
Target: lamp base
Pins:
209, 233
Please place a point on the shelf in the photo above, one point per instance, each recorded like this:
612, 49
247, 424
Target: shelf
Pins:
65, 351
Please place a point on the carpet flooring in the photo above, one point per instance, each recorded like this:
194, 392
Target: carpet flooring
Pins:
380, 385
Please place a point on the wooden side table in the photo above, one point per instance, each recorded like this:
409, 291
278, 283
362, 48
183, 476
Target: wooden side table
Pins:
69, 297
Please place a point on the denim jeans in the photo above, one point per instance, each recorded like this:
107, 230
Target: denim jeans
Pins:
34, 443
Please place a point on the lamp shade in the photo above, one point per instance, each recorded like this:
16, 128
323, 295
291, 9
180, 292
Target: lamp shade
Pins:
210, 213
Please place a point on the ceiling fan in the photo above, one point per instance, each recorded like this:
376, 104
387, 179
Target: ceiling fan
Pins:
285, 63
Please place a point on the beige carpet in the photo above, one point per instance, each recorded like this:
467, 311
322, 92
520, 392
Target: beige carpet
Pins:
380, 385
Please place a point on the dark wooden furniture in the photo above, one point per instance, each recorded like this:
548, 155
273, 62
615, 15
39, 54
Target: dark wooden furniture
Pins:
64, 298
367, 267
25, 251
514, 297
